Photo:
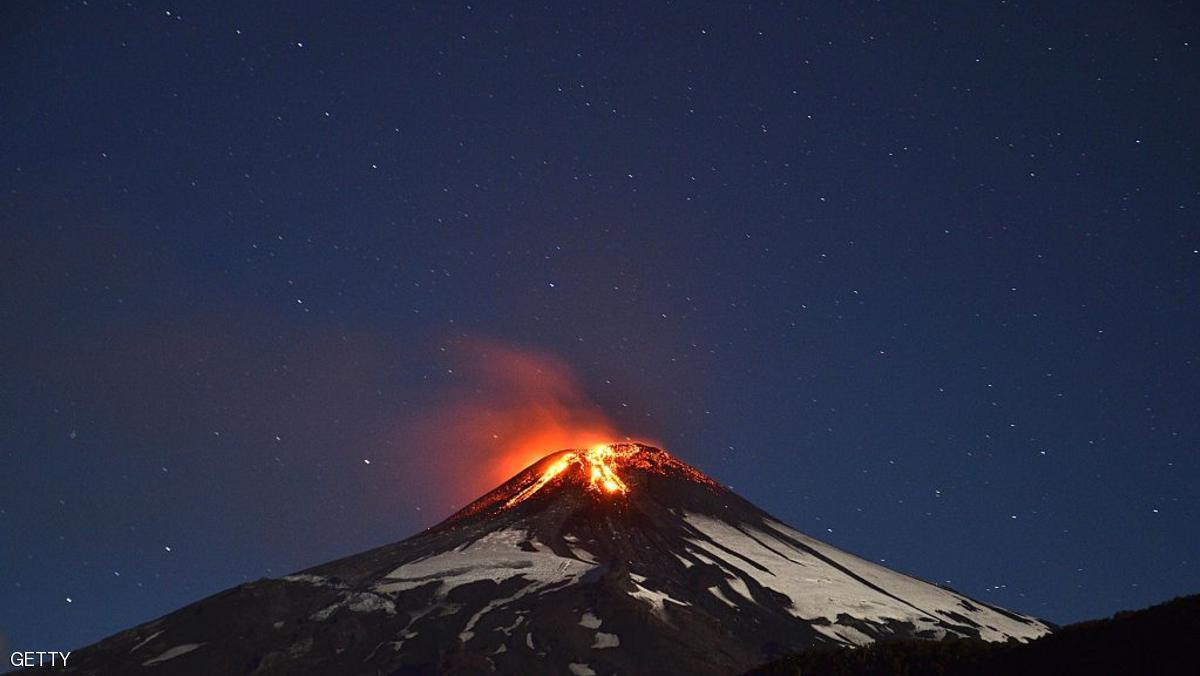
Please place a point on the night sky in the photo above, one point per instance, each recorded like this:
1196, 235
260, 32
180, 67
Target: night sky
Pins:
280, 284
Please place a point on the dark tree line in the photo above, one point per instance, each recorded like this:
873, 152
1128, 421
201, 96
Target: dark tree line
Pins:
1157, 640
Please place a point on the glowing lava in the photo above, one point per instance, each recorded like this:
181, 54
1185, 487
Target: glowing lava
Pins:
598, 462
606, 471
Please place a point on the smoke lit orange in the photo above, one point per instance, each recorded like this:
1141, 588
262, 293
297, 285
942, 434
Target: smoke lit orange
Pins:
506, 409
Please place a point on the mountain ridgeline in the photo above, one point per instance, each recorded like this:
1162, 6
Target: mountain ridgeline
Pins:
617, 559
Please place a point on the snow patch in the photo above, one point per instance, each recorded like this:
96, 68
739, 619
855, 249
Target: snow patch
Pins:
579, 669
716, 591
360, 602
656, 599
172, 653
467, 634
324, 613
738, 585
843, 634
605, 640
315, 580
584, 555
144, 641
590, 621
507, 631
370, 603
404, 636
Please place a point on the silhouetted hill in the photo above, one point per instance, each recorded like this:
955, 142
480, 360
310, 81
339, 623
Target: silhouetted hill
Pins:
1157, 640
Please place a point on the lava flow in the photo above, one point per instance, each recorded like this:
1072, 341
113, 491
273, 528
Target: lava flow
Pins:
606, 471
599, 463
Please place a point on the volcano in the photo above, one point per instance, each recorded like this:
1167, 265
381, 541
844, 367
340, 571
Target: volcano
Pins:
615, 559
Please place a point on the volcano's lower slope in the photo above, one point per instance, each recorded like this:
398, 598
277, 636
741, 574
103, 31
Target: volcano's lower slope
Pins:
612, 560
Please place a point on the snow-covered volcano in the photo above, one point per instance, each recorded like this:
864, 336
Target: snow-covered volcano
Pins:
619, 559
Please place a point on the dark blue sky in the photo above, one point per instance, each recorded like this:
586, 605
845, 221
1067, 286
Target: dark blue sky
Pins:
920, 280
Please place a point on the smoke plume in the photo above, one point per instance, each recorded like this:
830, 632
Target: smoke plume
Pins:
506, 408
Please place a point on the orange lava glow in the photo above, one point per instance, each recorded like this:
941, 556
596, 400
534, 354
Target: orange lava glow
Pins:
540, 431
599, 463
606, 471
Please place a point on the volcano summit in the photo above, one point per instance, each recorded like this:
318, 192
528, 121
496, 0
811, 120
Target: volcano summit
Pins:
614, 559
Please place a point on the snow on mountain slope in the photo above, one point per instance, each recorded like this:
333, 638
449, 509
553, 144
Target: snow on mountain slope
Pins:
495, 557
824, 582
